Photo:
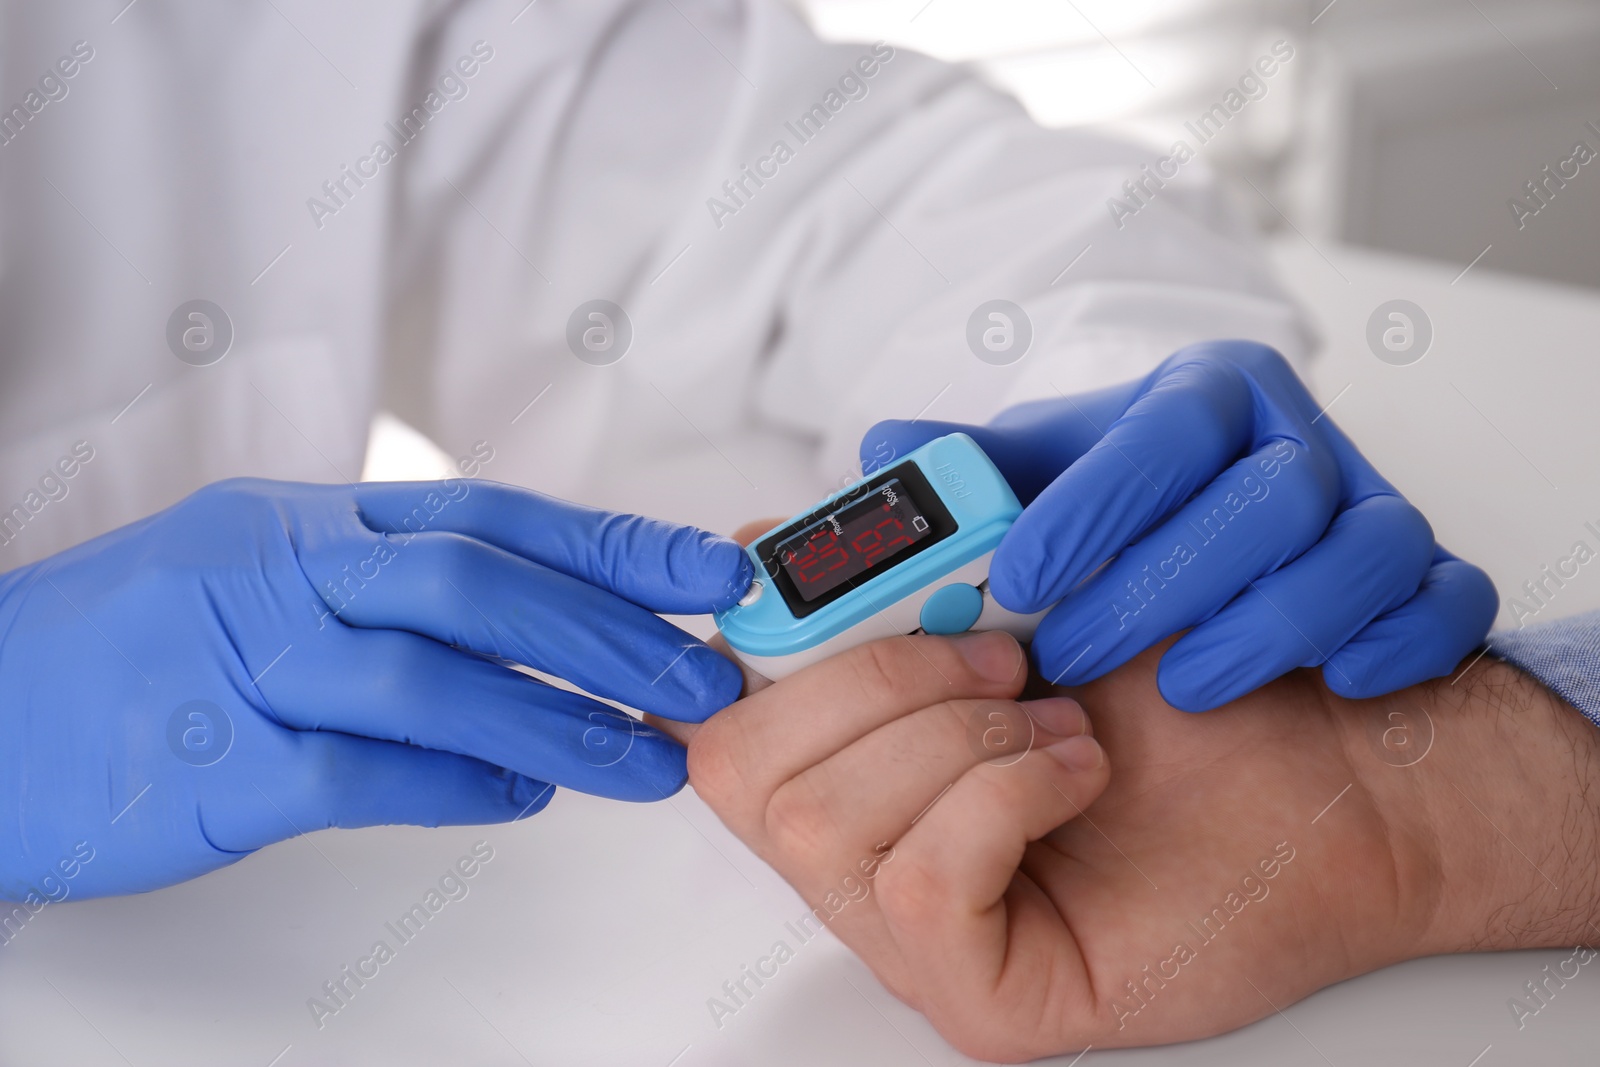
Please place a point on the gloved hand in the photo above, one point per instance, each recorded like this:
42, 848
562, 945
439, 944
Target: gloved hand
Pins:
1230, 507
265, 659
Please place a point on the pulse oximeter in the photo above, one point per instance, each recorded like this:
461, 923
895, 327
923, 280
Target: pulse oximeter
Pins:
905, 550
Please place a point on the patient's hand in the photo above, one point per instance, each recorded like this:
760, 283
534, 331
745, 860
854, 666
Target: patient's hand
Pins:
1223, 865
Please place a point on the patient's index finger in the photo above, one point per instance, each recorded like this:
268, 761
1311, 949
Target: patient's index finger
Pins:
663, 566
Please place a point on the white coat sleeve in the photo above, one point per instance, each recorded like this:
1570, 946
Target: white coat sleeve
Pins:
798, 233
910, 193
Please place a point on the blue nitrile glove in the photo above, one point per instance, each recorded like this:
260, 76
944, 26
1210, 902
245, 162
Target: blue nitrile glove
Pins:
1232, 507
265, 659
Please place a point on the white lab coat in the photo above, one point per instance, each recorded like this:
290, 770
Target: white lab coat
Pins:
188, 157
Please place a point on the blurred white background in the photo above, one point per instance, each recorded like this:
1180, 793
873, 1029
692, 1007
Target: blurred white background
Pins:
1405, 125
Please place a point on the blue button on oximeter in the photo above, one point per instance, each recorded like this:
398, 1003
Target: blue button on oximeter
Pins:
904, 550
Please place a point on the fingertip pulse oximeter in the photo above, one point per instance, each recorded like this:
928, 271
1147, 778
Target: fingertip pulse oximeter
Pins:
904, 550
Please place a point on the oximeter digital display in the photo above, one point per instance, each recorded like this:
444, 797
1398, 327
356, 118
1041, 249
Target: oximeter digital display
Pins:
904, 550
888, 521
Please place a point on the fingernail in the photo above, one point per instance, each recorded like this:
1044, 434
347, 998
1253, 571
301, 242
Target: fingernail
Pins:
995, 655
1081, 753
529, 795
1188, 687
738, 569
1061, 716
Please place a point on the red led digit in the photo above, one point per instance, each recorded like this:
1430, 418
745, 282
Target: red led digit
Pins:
800, 562
838, 550
900, 538
877, 547
868, 543
817, 556
835, 552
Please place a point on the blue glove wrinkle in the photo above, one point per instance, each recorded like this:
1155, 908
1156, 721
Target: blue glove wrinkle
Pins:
665, 567
1426, 637
1371, 560
658, 565
1360, 480
230, 855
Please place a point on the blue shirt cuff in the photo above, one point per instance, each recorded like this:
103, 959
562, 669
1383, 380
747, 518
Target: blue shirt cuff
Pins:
1564, 655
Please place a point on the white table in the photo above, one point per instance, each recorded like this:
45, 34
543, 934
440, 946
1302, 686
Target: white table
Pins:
598, 931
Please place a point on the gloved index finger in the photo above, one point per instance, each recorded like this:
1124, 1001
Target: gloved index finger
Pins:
463, 592
663, 566
1192, 423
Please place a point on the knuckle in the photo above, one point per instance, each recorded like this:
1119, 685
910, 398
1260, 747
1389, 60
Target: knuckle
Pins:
236, 487
220, 489
1395, 527
1264, 360
1414, 524
1205, 396
1307, 470
911, 893
1013, 790
1405, 532
885, 667
714, 768
1251, 358
226, 496
798, 822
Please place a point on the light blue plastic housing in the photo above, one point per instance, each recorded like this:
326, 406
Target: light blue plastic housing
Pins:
978, 499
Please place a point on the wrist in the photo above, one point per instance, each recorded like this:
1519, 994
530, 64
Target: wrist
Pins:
1490, 788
